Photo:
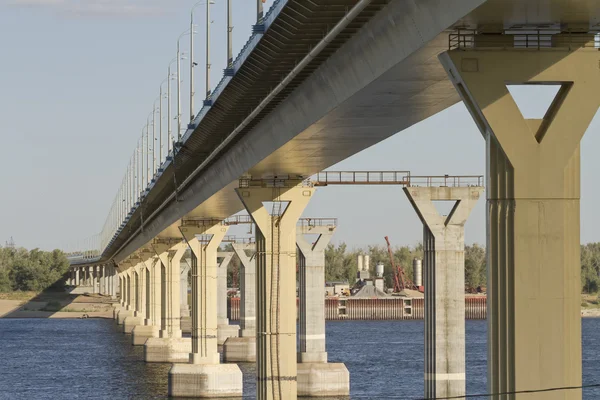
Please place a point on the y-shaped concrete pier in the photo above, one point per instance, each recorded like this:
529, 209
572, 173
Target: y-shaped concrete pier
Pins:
533, 167
204, 376
276, 372
316, 377
243, 347
170, 346
152, 321
225, 330
444, 277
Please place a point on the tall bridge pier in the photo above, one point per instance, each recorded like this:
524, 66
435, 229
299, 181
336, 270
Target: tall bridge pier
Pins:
243, 347
533, 191
276, 372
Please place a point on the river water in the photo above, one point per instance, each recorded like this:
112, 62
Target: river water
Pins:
91, 359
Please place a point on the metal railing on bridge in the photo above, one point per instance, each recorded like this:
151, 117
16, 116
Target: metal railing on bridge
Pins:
403, 178
522, 38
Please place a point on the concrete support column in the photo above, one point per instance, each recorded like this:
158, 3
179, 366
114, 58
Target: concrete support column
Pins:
127, 310
204, 376
102, 279
444, 277
96, 279
87, 276
243, 347
276, 283
183, 291
225, 330
169, 346
151, 303
316, 378
111, 282
77, 282
533, 168
139, 298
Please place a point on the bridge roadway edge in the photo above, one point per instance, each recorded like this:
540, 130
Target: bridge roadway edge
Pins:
309, 130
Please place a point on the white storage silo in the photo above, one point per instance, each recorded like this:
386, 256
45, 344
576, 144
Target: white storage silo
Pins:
379, 270
418, 272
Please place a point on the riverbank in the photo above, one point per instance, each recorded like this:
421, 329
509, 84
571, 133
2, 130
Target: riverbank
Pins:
63, 305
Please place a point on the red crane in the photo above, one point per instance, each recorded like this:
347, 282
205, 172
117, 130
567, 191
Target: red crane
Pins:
401, 281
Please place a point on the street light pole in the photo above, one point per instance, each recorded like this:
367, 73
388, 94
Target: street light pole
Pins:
169, 125
259, 12
207, 84
192, 63
154, 140
229, 36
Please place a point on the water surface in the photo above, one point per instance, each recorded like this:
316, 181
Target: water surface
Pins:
91, 359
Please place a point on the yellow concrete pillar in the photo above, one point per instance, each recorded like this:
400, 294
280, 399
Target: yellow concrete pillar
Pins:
276, 282
444, 276
170, 346
151, 299
533, 169
204, 376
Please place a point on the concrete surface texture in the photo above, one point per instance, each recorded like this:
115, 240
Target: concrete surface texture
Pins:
183, 290
444, 277
205, 381
533, 210
276, 283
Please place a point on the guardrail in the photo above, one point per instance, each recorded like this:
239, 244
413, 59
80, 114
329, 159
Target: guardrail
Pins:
446, 181
361, 178
522, 38
313, 222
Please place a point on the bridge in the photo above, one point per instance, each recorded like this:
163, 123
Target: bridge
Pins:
318, 81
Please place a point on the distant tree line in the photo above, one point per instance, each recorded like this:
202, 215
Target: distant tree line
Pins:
341, 264
33, 270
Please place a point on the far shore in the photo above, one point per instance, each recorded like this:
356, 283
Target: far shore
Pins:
61, 305
64, 305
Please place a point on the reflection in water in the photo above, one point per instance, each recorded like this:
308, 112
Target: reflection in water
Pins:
92, 359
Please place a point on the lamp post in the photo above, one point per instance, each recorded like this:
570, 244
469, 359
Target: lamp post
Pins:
179, 82
192, 63
170, 135
154, 137
259, 12
160, 131
229, 36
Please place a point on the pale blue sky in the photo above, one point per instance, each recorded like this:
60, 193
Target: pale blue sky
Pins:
78, 79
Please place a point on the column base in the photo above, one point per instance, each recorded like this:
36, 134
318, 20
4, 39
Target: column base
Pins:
316, 357
239, 349
131, 322
141, 333
122, 314
205, 381
323, 380
185, 311
226, 331
186, 324
168, 350
116, 309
